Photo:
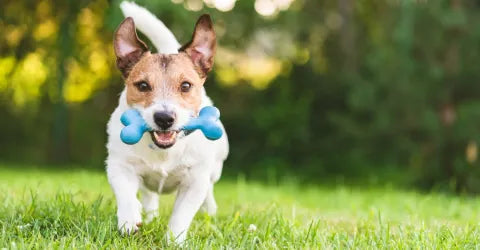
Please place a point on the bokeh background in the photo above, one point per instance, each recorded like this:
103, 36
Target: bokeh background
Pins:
336, 91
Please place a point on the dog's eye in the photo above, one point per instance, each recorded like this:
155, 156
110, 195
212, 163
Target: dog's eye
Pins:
185, 87
143, 86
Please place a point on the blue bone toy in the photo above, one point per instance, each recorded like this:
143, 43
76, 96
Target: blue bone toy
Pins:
207, 122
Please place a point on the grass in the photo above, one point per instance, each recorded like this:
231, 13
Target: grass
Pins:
48, 209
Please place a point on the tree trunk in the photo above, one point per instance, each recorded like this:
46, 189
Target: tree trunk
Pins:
59, 153
347, 35
448, 109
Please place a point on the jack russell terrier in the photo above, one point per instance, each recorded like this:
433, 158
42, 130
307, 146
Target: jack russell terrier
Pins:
167, 90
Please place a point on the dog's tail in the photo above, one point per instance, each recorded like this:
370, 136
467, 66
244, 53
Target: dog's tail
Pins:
161, 37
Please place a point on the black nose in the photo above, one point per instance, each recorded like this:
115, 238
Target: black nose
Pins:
164, 119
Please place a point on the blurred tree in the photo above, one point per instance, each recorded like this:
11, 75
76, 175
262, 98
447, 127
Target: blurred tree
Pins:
60, 147
308, 88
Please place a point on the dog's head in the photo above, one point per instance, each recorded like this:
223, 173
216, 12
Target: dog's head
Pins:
166, 89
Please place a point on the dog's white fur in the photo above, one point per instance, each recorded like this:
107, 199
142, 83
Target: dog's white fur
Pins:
191, 166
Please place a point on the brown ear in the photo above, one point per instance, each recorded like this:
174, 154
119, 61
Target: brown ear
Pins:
128, 47
201, 48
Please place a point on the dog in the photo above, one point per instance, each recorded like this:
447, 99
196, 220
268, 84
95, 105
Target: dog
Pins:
167, 90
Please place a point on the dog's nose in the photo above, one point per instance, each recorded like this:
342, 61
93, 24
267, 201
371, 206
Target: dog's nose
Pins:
164, 119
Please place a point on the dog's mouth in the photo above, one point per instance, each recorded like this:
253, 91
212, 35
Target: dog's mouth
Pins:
164, 139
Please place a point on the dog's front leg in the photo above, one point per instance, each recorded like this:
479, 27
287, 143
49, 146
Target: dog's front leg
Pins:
190, 197
125, 184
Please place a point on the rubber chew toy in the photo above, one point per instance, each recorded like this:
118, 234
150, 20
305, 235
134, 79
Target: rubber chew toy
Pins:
207, 122
134, 128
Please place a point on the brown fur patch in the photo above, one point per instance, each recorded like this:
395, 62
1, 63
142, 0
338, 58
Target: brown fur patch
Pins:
201, 48
128, 47
165, 74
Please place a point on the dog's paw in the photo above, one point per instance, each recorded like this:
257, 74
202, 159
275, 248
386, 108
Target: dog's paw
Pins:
149, 216
177, 239
129, 218
210, 209
128, 227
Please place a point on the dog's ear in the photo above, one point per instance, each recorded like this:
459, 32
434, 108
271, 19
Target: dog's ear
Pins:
128, 47
201, 48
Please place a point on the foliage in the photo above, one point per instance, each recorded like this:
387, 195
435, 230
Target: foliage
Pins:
310, 88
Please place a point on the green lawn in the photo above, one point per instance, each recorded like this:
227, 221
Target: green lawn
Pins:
75, 209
